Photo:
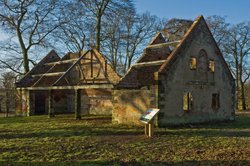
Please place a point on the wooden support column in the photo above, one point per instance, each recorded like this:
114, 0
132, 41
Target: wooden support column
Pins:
78, 103
146, 129
156, 88
51, 112
156, 96
106, 68
27, 93
149, 129
91, 65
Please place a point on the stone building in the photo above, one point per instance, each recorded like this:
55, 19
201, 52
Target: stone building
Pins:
78, 82
183, 73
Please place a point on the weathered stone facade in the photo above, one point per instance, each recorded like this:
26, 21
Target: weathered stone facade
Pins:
130, 104
192, 85
201, 83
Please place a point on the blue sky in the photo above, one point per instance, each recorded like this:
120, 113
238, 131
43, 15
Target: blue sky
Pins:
235, 11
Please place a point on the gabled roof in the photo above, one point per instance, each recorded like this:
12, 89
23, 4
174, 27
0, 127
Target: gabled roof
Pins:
40, 68
74, 69
169, 51
140, 74
187, 38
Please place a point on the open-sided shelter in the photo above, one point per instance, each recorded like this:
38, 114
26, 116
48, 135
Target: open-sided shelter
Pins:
80, 82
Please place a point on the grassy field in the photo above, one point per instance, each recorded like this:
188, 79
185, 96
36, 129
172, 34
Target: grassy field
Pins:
96, 141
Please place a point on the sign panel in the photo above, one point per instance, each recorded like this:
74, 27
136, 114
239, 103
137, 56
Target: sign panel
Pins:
149, 115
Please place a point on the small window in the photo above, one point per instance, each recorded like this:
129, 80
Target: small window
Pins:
187, 101
193, 63
215, 100
211, 66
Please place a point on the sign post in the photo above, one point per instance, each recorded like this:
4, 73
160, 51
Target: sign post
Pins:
148, 119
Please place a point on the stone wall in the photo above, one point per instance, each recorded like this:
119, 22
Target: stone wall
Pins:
130, 104
96, 101
93, 101
22, 103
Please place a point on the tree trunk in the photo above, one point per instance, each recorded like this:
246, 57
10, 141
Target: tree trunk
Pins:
98, 32
24, 51
243, 97
25, 61
237, 85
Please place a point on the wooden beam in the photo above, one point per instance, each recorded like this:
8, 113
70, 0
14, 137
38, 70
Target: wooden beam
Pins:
71, 67
87, 86
48, 74
91, 65
61, 62
103, 68
163, 44
152, 63
65, 61
87, 63
52, 55
95, 79
106, 69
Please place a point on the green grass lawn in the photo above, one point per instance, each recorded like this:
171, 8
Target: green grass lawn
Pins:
96, 141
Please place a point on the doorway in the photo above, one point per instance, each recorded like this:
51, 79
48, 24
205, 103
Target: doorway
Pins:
40, 98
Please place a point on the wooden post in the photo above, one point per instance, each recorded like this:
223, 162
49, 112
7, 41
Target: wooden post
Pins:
146, 129
78, 103
27, 93
91, 64
149, 129
156, 96
51, 108
156, 88
106, 68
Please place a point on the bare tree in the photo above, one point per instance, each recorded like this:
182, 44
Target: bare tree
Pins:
112, 43
219, 28
176, 28
28, 24
237, 51
234, 42
139, 29
126, 37
97, 9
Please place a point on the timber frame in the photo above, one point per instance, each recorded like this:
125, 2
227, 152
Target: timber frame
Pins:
75, 71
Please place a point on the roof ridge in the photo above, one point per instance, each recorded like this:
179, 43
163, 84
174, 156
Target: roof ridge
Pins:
195, 23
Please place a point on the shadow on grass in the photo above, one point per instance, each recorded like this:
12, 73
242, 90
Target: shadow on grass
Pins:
73, 131
206, 133
132, 163
101, 126
57, 118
